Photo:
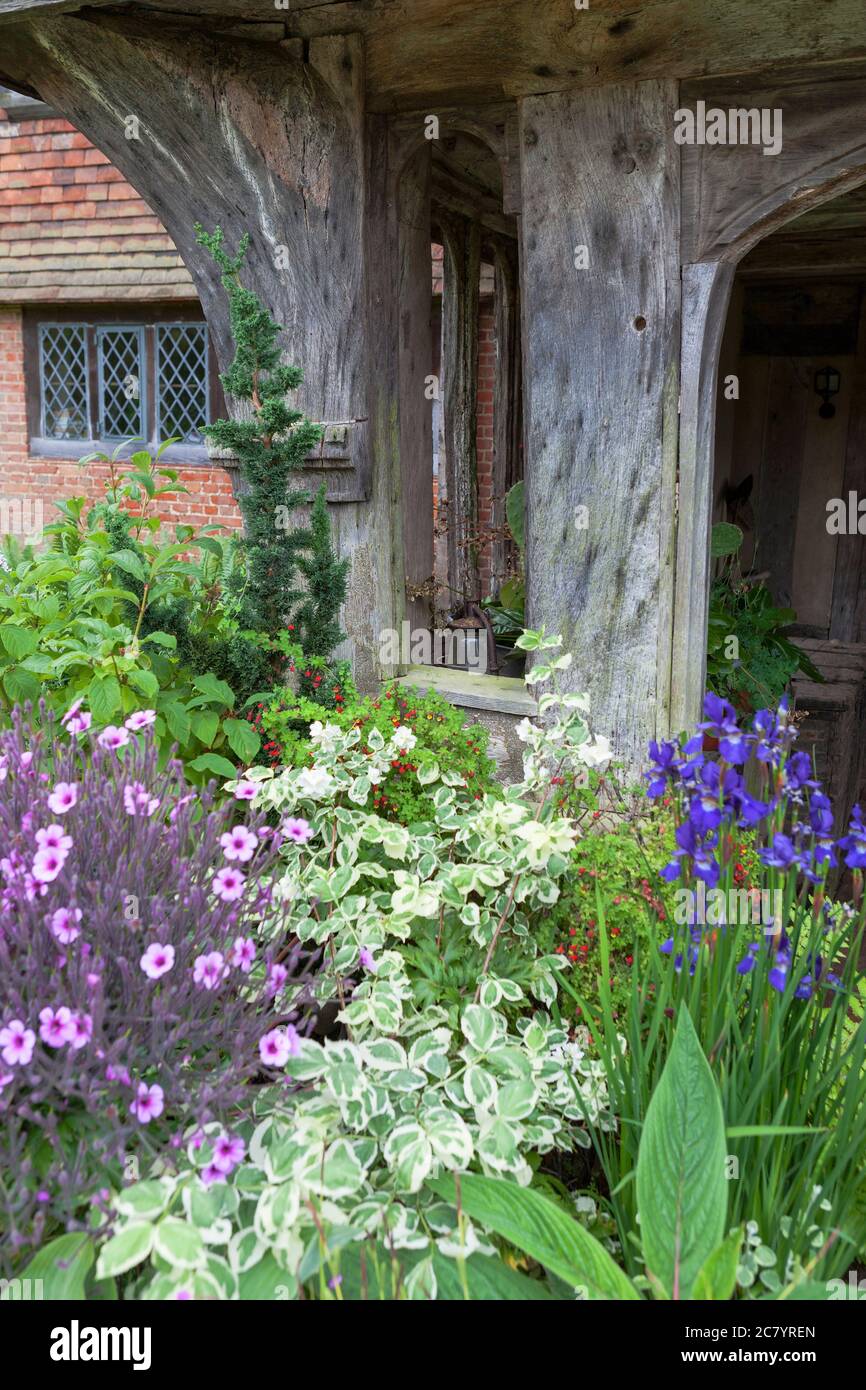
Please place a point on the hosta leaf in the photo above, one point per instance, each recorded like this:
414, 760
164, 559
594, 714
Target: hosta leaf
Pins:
681, 1189
62, 1266
717, 1277
542, 1229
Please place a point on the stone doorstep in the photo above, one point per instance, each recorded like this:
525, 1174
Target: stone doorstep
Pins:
496, 694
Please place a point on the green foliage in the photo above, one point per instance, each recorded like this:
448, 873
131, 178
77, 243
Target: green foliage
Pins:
507, 612
764, 660
437, 736
681, 1185
682, 1195
290, 573
90, 619
623, 847
791, 1080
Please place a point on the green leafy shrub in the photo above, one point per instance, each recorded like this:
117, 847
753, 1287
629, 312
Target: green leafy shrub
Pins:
81, 622
437, 735
764, 660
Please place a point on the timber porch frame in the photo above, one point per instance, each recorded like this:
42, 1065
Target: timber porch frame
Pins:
304, 124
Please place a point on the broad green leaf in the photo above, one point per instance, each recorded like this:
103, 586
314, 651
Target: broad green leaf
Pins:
21, 686
124, 1251
243, 739
371, 1271
177, 720
725, 539
681, 1189
63, 1266
18, 641
215, 689
539, 1227
103, 698
131, 563
144, 682
266, 1280
205, 724
717, 1277
178, 1242
212, 762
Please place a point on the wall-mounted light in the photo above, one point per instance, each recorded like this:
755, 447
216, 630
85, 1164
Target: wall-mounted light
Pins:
827, 383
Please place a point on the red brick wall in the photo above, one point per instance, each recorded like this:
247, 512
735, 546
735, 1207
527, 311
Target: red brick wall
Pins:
210, 500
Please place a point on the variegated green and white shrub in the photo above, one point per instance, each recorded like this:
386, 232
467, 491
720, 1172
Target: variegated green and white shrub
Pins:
463, 1071
345, 1159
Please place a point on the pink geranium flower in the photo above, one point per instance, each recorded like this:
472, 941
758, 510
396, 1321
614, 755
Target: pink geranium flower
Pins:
76, 720
17, 1043
243, 953
210, 970
56, 1026
141, 719
82, 1031
137, 800
54, 837
239, 843
148, 1104
297, 829
276, 1047
63, 798
63, 924
229, 885
113, 737
277, 976
228, 1150
157, 960
47, 864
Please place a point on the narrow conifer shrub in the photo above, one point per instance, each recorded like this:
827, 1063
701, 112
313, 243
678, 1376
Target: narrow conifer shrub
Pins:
294, 581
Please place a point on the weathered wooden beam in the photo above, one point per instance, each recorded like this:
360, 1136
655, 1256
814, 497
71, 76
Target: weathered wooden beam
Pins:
706, 293
601, 297
415, 368
507, 393
734, 195
462, 266
848, 612
427, 52
257, 140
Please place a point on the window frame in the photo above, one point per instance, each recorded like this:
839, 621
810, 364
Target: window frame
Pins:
147, 317
101, 331
88, 404
158, 330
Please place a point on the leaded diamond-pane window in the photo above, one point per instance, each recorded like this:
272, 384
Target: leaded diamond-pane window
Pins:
181, 381
121, 383
63, 376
